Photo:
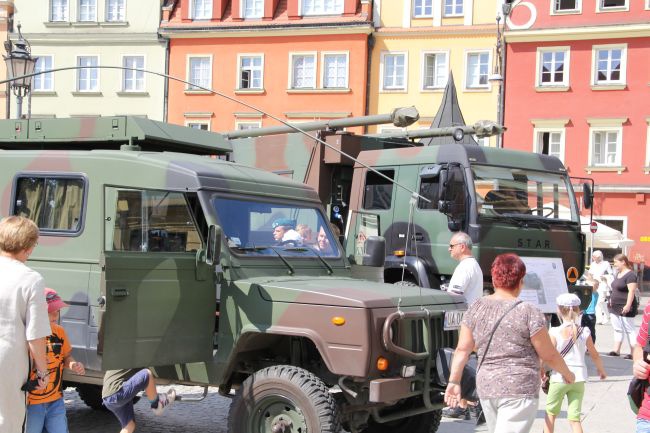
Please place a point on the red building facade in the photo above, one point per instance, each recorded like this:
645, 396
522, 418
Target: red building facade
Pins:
577, 87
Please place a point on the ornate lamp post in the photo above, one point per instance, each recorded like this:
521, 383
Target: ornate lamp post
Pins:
19, 62
498, 77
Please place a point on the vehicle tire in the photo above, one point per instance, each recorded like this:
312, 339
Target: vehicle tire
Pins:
91, 395
283, 398
424, 423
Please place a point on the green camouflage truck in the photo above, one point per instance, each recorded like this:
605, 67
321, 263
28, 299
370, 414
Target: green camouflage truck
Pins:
166, 256
506, 200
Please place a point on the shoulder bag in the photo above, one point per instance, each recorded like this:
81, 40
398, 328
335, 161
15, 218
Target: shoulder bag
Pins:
546, 381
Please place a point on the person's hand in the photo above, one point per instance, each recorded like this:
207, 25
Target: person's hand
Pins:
43, 380
602, 374
77, 367
640, 369
452, 395
626, 309
569, 378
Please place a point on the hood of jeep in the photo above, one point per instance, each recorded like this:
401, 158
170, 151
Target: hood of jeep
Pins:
346, 292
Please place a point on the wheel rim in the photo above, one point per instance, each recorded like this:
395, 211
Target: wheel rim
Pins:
278, 415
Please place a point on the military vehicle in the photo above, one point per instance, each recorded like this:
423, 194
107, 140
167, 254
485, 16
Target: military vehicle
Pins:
167, 258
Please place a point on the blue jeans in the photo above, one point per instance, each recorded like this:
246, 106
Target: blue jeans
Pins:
50, 416
642, 426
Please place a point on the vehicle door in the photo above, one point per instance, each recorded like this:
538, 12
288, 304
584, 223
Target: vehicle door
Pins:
158, 294
379, 197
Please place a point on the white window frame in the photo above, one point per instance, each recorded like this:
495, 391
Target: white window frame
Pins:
208, 12
538, 145
576, 10
188, 71
480, 87
619, 145
423, 6
90, 19
320, 7
88, 71
454, 5
189, 123
256, 124
292, 57
647, 5
240, 57
423, 68
43, 77
594, 65
136, 78
255, 14
323, 74
66, 18
382, 70
567, 66
121, 6
600, 8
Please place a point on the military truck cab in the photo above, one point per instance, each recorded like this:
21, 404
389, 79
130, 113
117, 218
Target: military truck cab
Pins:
170, 258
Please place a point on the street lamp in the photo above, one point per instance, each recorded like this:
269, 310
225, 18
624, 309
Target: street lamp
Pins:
498, 76
19, 63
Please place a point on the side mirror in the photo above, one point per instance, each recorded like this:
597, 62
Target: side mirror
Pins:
444, 206
453, 225
375, 251
587, 196
214, 245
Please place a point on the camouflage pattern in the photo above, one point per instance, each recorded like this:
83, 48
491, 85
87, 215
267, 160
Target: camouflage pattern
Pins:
141, 308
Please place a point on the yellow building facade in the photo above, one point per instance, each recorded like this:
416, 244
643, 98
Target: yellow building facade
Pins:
418, 43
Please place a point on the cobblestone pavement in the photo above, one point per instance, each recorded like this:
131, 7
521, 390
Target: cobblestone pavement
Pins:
209, 415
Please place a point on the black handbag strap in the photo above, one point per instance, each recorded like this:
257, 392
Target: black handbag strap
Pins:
569, 344
496, 325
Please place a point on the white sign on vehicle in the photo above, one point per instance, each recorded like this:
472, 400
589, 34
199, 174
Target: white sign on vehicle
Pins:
453, 319
543, 282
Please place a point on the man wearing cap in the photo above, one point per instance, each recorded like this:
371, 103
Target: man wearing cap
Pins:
284, 231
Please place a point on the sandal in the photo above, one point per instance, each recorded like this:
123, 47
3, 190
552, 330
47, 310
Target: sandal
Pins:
627, 357
612, 353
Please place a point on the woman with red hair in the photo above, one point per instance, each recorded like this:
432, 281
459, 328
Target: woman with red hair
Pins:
508, 373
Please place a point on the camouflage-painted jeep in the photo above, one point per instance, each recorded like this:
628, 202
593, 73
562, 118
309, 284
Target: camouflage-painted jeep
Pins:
168, 259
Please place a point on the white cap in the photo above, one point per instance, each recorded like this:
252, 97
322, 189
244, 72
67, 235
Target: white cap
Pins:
567, 300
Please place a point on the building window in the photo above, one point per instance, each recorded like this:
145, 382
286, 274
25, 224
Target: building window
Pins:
422, 8
88, 77
303, 71
610, 64
203, 126
58, 10
43, 82
606, 147
200, 73
201, 9
335, 71
116, 10
434, 71
566, 6
478, 65
87, 10
605, 5
242, 126
553, 67
253, 8
251, 72
133, 81
322, 7
550, 143
453, 8
393, 71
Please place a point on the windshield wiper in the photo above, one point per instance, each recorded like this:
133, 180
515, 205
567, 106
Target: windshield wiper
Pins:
268, 247
524, 220
330, 270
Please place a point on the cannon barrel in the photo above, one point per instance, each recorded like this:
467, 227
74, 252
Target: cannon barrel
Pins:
482, 128
400, 117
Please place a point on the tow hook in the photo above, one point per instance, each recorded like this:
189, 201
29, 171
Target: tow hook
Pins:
282, 425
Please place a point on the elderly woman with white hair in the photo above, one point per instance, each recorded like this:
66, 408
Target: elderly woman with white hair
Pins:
600, 273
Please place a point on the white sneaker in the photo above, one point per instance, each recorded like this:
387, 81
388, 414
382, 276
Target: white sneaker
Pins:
164, 401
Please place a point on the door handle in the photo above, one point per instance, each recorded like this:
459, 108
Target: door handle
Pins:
119, 292
418, 236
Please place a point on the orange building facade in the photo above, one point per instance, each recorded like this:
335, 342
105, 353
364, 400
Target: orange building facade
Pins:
296, 60
577, 88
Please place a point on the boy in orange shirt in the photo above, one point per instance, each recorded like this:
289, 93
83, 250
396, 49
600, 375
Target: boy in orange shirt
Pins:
46, 408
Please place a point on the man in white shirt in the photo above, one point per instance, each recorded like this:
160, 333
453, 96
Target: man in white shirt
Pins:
467, 279
598, 272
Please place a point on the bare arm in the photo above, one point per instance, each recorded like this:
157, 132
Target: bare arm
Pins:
548, 354
640, 366
74, 365
593, 353
461, 355
631, 290
37, 351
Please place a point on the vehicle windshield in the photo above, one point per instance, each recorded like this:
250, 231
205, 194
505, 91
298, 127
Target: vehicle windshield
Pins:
256, 228
503, 192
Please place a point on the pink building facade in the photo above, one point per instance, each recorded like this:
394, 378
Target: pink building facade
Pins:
577, 87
